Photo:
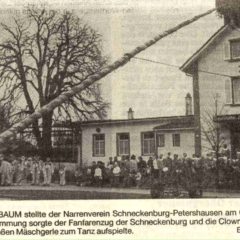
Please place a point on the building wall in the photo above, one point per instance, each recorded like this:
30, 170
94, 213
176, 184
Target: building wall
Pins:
135, 130
214, 61
186, 143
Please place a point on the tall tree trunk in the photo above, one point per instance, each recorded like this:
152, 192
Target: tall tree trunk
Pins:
46, 148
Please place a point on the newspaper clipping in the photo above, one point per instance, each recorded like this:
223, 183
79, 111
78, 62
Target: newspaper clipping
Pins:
120, 119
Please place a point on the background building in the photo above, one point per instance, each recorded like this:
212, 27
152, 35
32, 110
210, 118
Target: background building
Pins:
215, 72
142, 137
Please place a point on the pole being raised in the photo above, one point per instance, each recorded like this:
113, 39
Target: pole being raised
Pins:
89, 81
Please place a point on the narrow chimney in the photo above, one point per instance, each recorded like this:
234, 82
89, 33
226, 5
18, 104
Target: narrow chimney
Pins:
188, 104
130, 113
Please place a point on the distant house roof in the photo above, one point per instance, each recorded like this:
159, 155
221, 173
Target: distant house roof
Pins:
186, 67
228, 118
187, 123
158, 120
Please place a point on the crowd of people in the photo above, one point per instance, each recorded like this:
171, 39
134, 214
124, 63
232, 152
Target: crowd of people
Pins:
130, 171
14, 170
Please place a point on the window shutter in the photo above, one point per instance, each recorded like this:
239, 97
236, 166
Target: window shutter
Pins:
228, 91
227, 51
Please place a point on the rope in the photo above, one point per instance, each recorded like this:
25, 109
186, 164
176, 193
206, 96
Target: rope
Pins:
171, 65
89, 81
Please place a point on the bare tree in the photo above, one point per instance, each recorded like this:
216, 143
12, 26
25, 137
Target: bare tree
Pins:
9, 109
44, 55
213, 131
4, 120
8, 118
61, 99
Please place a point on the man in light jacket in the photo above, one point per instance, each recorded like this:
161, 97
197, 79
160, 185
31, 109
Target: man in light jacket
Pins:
5, 171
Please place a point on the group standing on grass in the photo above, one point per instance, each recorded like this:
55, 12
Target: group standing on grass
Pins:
33, 170
133, 172
127, 172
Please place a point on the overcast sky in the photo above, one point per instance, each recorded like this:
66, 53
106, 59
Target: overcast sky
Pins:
154, 90
151, 90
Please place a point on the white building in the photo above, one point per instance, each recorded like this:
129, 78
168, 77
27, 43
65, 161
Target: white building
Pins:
215, 69
142, 137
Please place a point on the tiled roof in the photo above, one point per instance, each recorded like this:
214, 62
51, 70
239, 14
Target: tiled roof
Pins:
160, 120
187, 123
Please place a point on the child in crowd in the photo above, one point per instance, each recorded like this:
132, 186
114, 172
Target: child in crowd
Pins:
138, 178
78, 175
98, 176
62, 175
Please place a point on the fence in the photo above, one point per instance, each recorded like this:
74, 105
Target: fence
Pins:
65, 144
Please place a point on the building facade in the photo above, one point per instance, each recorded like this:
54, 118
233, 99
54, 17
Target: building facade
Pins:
215, 70
140, 137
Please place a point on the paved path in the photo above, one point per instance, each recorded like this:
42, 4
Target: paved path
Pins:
143, 192
56, 187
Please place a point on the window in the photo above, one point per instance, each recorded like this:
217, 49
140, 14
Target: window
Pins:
228, 91
176, 140
236, 90
232, 89
232, 50
161, 140
235, 49
123, 144
98, 145
148, 143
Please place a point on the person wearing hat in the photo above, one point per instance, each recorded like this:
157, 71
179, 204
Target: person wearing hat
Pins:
48, 172
35, 170
13, 161
18, 172
27, 167
168, 161
92, 173
62, 175
79, 176
184, 158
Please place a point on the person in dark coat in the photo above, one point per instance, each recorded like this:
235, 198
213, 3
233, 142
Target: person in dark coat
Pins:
142, 165
93, 167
